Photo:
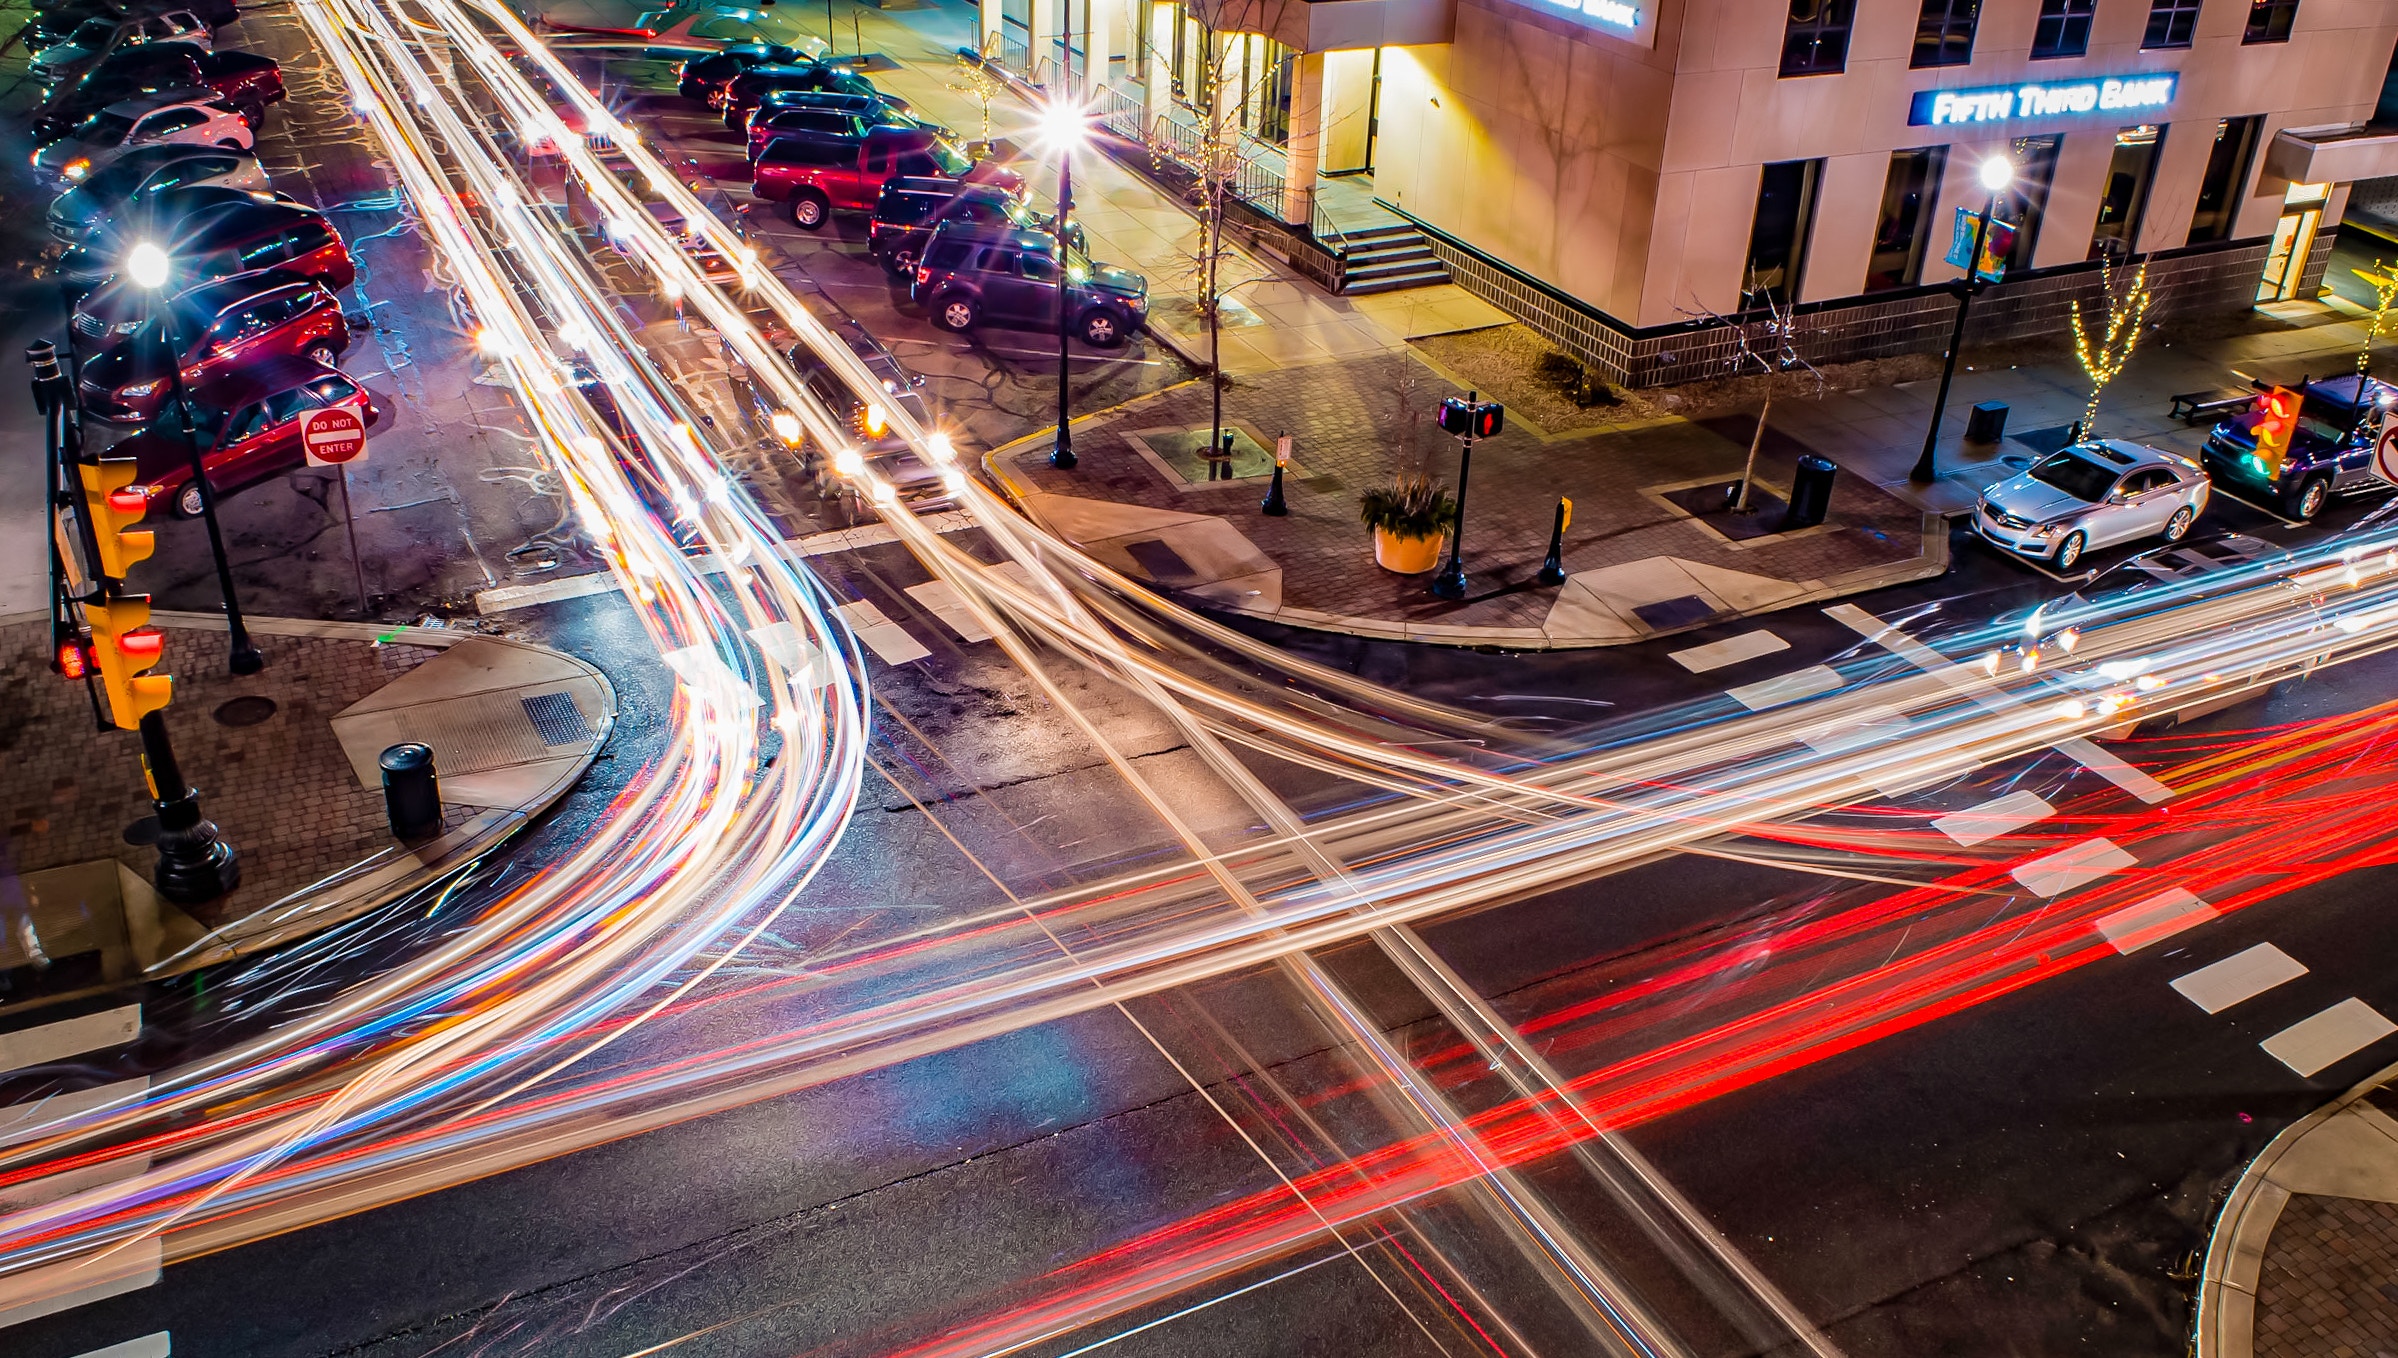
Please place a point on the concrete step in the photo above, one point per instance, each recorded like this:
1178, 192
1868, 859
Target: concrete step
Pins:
1419, 277
1393, 253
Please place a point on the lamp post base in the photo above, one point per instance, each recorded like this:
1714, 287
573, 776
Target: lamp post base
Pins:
1062, 457
195, 865
1449, 584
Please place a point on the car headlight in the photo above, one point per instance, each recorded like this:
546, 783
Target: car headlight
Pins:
134, 391
124, 327
2049, 529
77, 168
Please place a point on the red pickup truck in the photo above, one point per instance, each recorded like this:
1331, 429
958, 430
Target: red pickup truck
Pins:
247, 82
820, 174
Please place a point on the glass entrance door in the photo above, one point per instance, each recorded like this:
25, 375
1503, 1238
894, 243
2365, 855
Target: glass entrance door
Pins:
2293, 241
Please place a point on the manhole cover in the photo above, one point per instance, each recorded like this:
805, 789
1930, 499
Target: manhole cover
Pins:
2013, 461
142, 833
246, 711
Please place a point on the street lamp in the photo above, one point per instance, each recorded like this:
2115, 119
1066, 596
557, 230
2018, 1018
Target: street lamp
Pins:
1065, 126
1996, 174
148, 266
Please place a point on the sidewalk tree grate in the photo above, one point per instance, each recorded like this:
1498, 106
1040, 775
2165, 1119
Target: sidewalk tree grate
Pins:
556, 719
250, 709
1667, 614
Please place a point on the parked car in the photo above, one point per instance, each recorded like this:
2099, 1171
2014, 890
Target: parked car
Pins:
286, 237
54, 24
910, 209
2089, 495
971, 276
140, 176
702, 77
249, 83
96, 37
249, 425
176, 216
2331, 450
182, 117
747, 90
822, 115
820, 175
214, 332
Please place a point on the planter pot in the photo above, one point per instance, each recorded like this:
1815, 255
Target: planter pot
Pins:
1407, 556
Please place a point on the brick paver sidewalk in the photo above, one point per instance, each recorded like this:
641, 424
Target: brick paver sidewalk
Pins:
2329, 1288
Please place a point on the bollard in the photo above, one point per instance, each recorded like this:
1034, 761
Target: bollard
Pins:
1552, 571
411, 791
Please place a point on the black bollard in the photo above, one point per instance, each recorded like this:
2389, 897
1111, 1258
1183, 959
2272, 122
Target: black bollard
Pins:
1552, 571
1274, 504
411, 791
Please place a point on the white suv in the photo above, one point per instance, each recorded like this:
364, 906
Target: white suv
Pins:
190, 117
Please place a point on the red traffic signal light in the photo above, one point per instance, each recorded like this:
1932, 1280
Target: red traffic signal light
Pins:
2276, 423
1472, 419
73, 660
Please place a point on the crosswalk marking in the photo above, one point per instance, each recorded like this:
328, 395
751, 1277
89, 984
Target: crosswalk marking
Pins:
2077, 866
2115, 771
1785, 688
943, 602
2337, 1033
1715, 655
62, 1286
159, 1345
2241, 976
2160, 916
889, 641
24, 1121
1866, 726
69, 1037
1998, 816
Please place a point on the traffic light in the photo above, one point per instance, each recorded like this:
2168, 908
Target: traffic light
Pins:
1472, 419
2276, 422
115, 504
73, 659
123, 645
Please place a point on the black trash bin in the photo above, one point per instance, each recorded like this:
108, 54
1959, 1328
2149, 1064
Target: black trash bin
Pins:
1810, 492
411, 793
1987, 423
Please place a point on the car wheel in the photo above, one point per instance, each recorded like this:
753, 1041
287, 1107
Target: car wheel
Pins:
2069, 552
2178, 527
323, 355
809, 209
954, 313
232, 144
1102, 328
901, 263
2313, 494
187, 501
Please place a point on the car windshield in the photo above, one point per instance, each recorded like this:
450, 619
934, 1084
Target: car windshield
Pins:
953, 162
91, 33
105, 128
2076, 476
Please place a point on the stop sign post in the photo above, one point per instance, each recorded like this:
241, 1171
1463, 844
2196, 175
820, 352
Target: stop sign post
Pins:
335, 437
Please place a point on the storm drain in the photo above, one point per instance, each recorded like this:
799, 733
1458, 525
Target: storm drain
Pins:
556, 719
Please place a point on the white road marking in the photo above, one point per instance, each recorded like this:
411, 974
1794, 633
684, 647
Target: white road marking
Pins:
2241, 976
889, 641
2075, 866
701, 668
2337, 1033
509, 597
159, 1345
1977, 686
1729, 651
1786, 688
1866, 726
2160, 916
942, 601
782, 643
69, 1037
1998, 816
24, 1121
70, 1283
50, 1188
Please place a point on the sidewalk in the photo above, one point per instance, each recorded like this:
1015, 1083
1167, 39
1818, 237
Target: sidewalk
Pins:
285, 761
2304, 1259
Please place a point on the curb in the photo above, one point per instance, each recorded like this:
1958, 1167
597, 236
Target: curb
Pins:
2225, 1326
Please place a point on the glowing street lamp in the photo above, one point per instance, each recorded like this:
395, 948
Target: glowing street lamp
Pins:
149, 266
1996, 174
1065, 126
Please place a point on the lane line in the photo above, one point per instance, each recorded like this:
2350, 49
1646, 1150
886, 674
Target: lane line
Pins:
24, 1121
508, 597
1977, 686
2159, 917
889, 641
1998, 816
69, 1037
1786, 688
70, 1283
2242, 976
2337, 1033
2076, 866
159, 1345
1715, 655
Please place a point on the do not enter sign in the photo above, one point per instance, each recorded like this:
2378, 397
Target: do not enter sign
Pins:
333, 436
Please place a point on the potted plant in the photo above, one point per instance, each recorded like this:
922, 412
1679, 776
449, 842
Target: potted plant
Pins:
1410, 518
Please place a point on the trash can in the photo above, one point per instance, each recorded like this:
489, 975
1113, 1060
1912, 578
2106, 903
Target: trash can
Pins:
1810, 492
1988, 423
411, 793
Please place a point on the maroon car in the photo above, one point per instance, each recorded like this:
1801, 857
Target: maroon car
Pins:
819, 175
285, 237
249, 427
219, 329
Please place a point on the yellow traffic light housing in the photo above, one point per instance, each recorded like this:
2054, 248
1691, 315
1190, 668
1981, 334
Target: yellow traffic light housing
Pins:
2277, 423
114, 505
123, 645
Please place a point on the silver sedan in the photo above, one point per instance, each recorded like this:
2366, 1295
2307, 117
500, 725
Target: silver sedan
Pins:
2093, 494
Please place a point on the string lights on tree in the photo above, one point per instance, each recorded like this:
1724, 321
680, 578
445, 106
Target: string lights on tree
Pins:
2384, 282
2127, 309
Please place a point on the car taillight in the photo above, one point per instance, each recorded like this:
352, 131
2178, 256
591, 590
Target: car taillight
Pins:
924, 275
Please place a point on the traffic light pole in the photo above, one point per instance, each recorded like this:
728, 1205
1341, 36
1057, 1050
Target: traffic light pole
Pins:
1062, 455
1450, 583
244, 657
194, 864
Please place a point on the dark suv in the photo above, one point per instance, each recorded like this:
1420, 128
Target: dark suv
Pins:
2331, 452
749, 89
912, 208
702, 77
218, 330
818, 175
822, 115
969, 276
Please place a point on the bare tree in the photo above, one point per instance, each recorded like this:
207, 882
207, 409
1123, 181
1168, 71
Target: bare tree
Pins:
2127, 309
1767, 345
976, 82
2384, 281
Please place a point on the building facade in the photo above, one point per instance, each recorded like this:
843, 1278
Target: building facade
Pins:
1620, 173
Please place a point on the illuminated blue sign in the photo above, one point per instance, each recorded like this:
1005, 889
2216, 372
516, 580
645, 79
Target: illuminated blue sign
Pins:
2008, 103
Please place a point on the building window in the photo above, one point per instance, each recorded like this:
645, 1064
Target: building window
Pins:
2064, 29
1816, 42
2120, 208
2227, 167
2170, 23
1905, 229
2270, 20
1944, 35
2026, 201
1778, 235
